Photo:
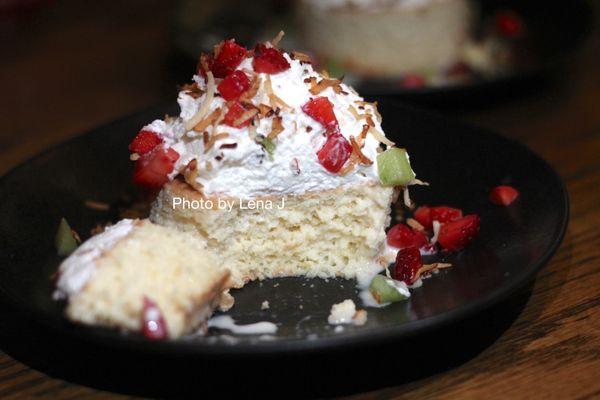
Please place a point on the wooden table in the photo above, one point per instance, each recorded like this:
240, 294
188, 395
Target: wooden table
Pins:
76, 66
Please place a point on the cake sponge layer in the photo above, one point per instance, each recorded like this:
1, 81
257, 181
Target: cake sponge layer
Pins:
335, 233
169, 267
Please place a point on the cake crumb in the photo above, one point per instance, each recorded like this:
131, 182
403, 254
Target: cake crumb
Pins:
346, 313
264, 305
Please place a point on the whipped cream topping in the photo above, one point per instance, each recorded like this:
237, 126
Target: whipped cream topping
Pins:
238, 166
79, 267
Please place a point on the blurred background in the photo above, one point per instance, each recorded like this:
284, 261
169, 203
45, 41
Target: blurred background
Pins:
68, 65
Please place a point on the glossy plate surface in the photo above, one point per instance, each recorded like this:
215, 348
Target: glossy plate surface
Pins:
461, 163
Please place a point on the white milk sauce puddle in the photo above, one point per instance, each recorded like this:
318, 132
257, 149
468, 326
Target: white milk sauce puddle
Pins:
226, 322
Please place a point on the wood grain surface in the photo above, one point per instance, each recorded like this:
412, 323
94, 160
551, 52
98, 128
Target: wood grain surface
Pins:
77, 65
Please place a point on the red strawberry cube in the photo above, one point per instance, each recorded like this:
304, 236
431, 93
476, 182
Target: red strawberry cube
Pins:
236, 110
455, 235
227, 59
154, 326
445, 214
408, 263
401, 236
321, 110
423, 216
234, 84
144, 142
503, 195
152, 169
334, 153
269, 60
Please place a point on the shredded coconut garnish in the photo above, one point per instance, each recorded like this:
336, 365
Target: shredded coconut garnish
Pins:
318, 87
210, 92
275, 100
209, 120
275, 41
276, 128
212, 140
436, 231
426, 268
356, 150
296, 55
380, 138
413, 223
407, 201
251, 92
246, 115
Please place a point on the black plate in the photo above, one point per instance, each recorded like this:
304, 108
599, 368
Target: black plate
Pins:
461, 162
554, 31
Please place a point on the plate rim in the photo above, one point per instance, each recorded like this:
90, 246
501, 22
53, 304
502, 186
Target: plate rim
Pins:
362, 337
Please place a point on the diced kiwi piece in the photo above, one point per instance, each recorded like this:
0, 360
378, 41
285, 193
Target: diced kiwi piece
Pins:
269, 146
383, 291
394, 168
65, 241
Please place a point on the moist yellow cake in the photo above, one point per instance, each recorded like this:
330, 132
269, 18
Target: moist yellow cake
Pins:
318, 234
106, 280
387, 38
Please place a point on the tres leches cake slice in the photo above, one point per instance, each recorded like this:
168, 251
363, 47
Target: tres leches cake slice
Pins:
144, 277
282, 170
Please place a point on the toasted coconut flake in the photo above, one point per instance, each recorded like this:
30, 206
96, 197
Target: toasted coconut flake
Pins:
203, 63
210, 93
413, 223
213, 139
275, 41
407, 201
323, 84
349, 165
251, 92
275, 100
265, 110
370, 121
208, 166
192, 90
246, 115
356, 148
363, 134
380, 138
325, 73
296, 55
436, 231
208, 121
276, 128
134, 156
427, 268
418, 182
97, 205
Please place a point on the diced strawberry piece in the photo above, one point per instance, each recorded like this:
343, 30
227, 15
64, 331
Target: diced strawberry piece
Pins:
232, 87
401, 236
236, 109
154, 325
144, 142
413, 81
420, 239
456, 234
321, 110
445, 214
408, 262
423, 216
269, 60
229, 57
334, 153
509, 24
503, 195
152, 168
